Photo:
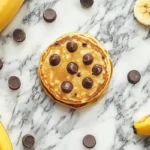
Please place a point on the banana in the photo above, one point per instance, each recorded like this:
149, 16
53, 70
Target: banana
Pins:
142, 127
5, 143
142, 12
8, 10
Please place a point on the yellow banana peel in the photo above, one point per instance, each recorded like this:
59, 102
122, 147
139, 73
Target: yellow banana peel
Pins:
5, 143
8, 9
142, 127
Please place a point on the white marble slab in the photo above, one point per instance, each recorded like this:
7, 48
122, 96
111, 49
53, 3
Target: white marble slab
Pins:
55, 127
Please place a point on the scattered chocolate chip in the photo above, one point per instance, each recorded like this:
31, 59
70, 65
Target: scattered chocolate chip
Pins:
72, 46
56, 43
66, 87
28, 141
14, 83
96, 70
19, 35
72, 68
87, 59
86, 3
103, 57
49, 15
54, 60
1, 64
84, 44
78, 74
87, 83
89, 141
134, 76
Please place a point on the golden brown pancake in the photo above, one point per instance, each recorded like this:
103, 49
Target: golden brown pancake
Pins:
75, 70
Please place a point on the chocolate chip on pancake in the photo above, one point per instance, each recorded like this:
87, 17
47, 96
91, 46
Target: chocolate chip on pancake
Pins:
97, 69
19, 35
56, 43
72, 68
89, 141
87, 83
79, 74
54, 60
84, 44
1, 64
66, 87
87, 59
28, 141
86, 3
134, 76
14, 83
72, 46
49, 15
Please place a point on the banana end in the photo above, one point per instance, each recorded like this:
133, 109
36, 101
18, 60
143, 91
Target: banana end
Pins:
134, 130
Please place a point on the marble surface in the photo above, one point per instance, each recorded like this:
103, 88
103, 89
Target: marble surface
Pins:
29, 110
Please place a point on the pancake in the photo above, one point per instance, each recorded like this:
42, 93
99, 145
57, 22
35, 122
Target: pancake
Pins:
75, 70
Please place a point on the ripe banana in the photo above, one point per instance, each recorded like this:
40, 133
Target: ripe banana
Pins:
8, 10
142, 11
5, 143
142, 127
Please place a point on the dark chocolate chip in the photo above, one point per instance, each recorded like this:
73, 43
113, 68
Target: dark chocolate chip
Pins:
97, 69
14, 83
89, 141
134, 76
78, 74
103, 57
66, 87
54, 60
28, 141
72, 68
86, 3
1, 64
75, 94
87, 83
72, 46
49, 15
19, 35
87, 59
84, 44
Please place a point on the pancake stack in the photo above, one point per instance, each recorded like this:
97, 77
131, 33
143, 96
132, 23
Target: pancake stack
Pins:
75, 70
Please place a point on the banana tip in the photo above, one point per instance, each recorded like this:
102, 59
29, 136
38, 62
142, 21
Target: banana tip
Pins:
134, 130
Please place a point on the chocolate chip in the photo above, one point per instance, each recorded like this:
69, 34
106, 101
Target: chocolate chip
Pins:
14, 83
103, 57
66, 87
78, 74
1, 64
72, 46
134, 76
28, 141
84, 44
96, 70
87, 59
49, 15
54, 60
86, 3
89, 141
72, 68
87, 83
75, 94
19, 35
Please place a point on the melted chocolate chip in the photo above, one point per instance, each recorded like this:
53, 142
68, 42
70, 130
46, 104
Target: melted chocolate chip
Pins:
56, 43
72, 68
87, 83
78, 74
66, 87
72, 46
87, 59
84, 44
96, 70
54, 60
